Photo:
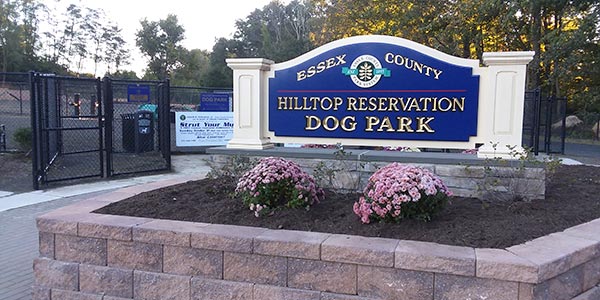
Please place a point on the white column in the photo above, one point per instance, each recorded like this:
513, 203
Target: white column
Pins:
249, 102
504, 103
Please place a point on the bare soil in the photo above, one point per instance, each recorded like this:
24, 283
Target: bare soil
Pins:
15, 172
572, 198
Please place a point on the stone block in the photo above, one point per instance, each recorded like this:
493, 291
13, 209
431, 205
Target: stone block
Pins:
322, 276
591, 294
268, 292
226, 238
203, 288
255, 268
40, 293
459, 182
504, 265
135, 255
390, 283
460, 171
465, 192
70, 295
432, 257
556, 253
589, 230
329, 296
193, 262
562, 287
158, 286
591, 273
462, 287
106, 281
109, 226
80, 249
299, 244
46, 244
526, 291
56, 274
167, 232
359, 250
62, 225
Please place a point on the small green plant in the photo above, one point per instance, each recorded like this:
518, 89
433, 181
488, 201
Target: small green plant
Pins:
508, 179
234, 167
399, 191
342, 173
276, 182
23, 136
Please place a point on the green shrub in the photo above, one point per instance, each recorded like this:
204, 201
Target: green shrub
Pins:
23, 137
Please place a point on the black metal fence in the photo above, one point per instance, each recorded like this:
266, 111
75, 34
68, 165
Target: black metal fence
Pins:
140, 130
544, 125
67, 141
97, 128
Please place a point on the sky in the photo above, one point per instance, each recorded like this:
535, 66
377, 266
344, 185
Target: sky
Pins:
203, 21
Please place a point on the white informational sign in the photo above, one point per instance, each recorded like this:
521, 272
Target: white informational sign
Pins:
203, 128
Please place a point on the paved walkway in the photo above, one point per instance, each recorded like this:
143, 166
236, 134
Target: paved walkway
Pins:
18, 232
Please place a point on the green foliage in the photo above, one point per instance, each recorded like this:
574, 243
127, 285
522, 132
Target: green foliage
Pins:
160, 42
507, 180
326, 172
233, 167
23, 137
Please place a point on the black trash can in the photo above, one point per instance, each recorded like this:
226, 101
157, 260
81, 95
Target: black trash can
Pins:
138, 131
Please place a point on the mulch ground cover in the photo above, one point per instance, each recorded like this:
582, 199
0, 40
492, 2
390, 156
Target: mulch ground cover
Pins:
572, 197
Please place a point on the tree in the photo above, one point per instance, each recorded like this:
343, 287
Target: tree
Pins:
218, 74
160, 42
276, 31
563, 33
18, 34
194, 65
116, 52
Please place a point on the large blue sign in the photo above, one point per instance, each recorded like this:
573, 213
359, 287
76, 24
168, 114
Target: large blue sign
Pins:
374, 90
214, 102
138, 93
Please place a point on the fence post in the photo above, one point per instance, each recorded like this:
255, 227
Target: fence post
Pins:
34, 130
108, 123
164, 124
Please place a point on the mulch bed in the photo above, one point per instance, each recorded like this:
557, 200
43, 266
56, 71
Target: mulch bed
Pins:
573, 197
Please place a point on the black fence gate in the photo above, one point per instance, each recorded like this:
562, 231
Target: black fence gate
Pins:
544, 127
139, 126
84, 128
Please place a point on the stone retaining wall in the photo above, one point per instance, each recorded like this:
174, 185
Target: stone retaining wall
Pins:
465, 175
84, 255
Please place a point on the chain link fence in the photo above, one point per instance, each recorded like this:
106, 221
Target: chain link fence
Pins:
137, 140
14, 111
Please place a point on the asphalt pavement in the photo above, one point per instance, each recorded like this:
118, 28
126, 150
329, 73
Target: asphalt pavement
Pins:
18, 233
